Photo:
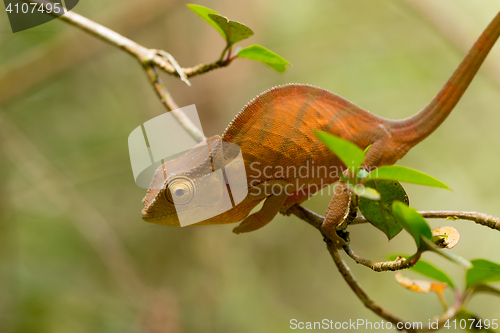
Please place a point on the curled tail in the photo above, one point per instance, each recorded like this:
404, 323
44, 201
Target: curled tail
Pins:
416, 128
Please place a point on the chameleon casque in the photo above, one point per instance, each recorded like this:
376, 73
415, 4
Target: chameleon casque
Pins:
277, 129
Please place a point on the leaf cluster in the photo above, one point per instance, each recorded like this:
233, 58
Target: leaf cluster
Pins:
234, 32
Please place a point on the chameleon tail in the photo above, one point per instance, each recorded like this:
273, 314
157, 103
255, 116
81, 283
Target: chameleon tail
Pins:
414, 129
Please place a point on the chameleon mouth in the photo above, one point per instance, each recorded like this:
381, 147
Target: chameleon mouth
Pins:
170, 219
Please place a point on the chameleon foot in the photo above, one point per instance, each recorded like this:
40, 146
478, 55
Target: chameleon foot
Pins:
251, 223
268, 211
338, 241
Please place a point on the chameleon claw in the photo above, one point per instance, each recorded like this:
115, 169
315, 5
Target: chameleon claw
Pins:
286, 211
338, 241
237, 230
251, 223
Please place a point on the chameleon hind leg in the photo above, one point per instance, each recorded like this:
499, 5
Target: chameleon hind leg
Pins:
336, 213
275, 193
338, 208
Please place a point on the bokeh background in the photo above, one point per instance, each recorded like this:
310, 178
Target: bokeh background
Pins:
75, 255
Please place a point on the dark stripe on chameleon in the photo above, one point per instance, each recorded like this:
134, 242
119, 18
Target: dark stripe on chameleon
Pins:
317, 144
339, 110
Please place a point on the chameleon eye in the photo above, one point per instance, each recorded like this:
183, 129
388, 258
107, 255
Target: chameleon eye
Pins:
180, 190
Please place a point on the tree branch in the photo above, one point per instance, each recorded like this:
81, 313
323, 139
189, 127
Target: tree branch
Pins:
315, 220
354, 285
480, 218
169, 103
383, 266
308, 216
66, 50
136, 50
149, 59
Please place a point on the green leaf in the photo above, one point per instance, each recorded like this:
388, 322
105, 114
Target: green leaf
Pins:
234, 30
427, 269
404, 174
379, 213
411, 221
204, 12
485, 289
350, 154
277, 67
239, 31
260, 53
482, 272
474, 324
363, 191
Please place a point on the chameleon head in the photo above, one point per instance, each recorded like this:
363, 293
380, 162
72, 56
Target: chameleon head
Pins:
188, 189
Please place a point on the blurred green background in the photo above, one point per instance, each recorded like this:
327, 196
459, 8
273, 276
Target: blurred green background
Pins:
75, 255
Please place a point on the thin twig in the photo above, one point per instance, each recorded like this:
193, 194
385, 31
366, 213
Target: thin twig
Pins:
315, 220
68, 49
354, 285
377, 309
136, 50
449, 314
383, 266
149, 58
480, 218
308, 216
169, 103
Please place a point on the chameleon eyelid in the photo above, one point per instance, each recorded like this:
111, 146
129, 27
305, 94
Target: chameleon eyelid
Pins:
183, 190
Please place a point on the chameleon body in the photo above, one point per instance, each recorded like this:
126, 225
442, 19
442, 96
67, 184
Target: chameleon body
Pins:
275, 131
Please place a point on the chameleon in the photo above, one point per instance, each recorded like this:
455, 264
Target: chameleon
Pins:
275, 132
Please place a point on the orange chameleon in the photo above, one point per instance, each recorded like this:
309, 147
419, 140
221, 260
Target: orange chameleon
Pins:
276, 129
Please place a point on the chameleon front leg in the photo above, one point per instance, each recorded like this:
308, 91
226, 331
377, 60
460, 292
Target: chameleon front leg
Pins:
275, 193
336, 213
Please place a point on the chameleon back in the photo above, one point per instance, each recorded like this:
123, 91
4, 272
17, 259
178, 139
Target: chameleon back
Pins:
275, 132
